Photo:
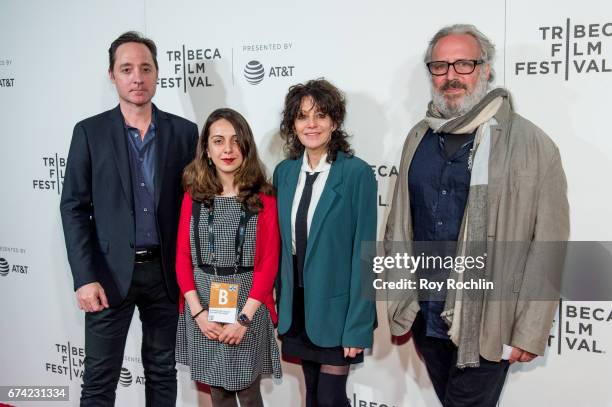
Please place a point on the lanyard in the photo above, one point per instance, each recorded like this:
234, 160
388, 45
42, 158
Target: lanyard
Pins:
245, 216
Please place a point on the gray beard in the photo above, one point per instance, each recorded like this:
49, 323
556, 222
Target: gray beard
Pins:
467, 102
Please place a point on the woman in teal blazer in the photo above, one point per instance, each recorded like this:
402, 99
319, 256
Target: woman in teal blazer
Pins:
327, 208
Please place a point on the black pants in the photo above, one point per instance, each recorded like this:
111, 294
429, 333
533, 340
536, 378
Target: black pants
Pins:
106, 332
473, 387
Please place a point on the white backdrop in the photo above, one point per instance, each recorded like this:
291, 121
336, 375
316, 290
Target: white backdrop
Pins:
53, 62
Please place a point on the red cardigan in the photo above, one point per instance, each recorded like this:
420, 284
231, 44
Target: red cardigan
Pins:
267, 251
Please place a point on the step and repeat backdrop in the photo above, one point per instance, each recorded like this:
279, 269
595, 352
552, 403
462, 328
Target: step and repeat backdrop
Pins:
555, 57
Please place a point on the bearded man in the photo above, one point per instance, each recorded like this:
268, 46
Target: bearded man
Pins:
475, 173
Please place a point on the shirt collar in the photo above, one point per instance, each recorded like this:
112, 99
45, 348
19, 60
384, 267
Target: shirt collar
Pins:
152, 125
321, 167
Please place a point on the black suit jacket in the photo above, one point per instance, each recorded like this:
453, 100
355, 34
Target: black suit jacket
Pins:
97, 204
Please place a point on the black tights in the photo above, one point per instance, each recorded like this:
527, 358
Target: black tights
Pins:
325, 385
249, 397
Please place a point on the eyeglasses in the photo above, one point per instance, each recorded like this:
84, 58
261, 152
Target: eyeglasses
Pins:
461, 66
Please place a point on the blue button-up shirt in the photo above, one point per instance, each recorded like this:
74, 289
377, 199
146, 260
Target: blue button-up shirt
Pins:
142, 153
438, 184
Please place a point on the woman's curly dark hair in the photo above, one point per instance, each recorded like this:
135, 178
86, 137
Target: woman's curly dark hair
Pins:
329, 100
200, 178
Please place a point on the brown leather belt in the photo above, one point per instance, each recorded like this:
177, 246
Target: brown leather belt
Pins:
147, 254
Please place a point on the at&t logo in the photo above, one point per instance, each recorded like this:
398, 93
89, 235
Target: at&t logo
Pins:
4, 267
254, 72
125, 379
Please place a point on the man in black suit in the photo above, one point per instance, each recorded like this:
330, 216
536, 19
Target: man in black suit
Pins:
120, 207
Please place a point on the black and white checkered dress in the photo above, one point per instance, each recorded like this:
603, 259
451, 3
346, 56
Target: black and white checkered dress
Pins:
233, 367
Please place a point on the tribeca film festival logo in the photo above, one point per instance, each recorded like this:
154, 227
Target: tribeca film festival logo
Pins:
573, 49
71, 363
7, 267
577, 328
356, 401
54, 179
189, 68
383, 172
6, 82
255, 71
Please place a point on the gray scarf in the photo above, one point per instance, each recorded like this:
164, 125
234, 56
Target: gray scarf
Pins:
465, 329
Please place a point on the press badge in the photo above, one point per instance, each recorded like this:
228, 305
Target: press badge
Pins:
223, 305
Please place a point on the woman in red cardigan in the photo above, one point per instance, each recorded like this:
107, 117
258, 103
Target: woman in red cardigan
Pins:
228, 243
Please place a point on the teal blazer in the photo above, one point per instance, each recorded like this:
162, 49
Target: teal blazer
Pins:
337, 314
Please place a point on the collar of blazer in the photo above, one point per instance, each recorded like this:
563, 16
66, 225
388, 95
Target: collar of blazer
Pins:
331, 192
116, 132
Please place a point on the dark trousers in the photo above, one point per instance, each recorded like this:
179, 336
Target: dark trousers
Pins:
468, 387
106, 332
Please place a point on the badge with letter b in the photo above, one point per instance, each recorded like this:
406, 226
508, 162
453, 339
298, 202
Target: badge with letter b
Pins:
223, 304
